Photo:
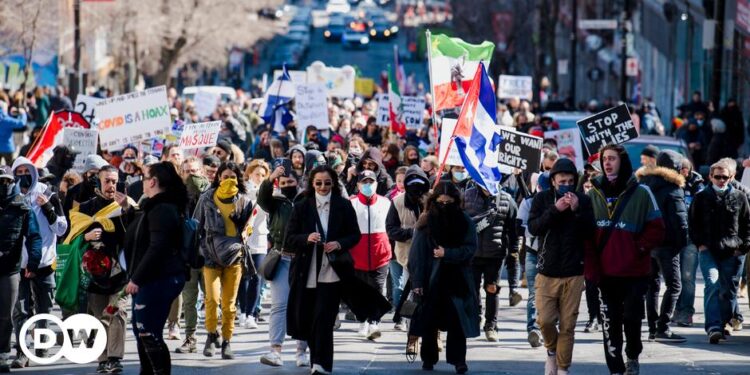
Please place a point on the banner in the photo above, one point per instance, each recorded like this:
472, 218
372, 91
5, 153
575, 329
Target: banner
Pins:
200, 135
133, 117
514, 87
413, 107
568, 144
41, 151
520, 150
338, 81
382, 116
83, 141
205, 103
312, 106
86, 106
613, 125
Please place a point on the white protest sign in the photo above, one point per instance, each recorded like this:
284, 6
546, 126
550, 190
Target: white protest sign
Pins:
338, 81
200, 135
312, 105
568, 144
205, 103
514, 87
297, 76
134, 117
413, 111
85, 105
383, 117
84, 141
449, 125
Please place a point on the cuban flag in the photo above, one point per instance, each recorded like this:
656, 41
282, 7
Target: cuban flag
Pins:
275, 109
476, 135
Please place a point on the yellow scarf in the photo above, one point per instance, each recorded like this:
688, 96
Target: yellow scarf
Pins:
227, 189
226, 209
79, 222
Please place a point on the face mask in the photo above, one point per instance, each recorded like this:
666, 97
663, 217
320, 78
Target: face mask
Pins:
24, 181
720, 189
368, 190
459, 176
6, 191
564, 189
199, 182
355, 150
227, 189
289, 191
94, 181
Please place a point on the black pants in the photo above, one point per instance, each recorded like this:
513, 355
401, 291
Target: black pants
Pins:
375, 279
592, 302
323, 303
455, 346
622, 305
664, 263
489, 269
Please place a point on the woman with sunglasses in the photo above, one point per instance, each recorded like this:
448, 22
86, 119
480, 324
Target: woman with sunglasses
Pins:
222, 211
439, 264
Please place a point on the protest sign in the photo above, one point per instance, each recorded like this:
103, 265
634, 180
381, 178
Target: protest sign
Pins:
454, 158
83, 141
520, 150
133, 117
338, 81
298, 76
205, 102
611, 126
86, 106
200, 135
383, 116
413, 111
568, 144
364, 87
514, 87
312, 105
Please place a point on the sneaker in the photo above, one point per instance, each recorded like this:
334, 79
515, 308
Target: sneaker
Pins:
174, 332
651, 336
250, 322
515, 298
102, 368
669, 336
591, 327
114, 366
318, 370
337, 323
491, 335
632, 367
439, 342
226, 350
685, 323
535, 338
400, 326
373, 333
736, 324
714, 337
364, 329
272, 358
550, 365
462, 368
302, 360
21, 361
190, 345
242, 319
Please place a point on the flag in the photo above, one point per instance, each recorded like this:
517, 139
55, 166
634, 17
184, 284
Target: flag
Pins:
274, 109
453, 64
400, 73
395, 108
477, 137
52, 135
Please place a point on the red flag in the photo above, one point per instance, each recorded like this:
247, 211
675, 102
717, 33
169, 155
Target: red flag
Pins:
52, 135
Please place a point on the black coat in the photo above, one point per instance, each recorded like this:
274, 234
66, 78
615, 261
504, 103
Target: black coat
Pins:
496, 222
20, 228
363, 300
564, 235
667, 187
720, 222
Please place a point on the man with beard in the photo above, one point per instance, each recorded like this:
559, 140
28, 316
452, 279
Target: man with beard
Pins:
444, 243
62, 160
101, 223
297, 155
41, 282
87, 188
372, 160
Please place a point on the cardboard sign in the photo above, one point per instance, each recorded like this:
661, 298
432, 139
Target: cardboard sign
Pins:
312, 105
338, 81
514, 87
454, 158
86, 106
200, 135
568, 144
413, 111
205, 103
133, 117
383, 117
520, 150
611, 126
82, 140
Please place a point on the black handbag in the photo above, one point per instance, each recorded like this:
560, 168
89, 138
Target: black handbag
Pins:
338, 259
270, 264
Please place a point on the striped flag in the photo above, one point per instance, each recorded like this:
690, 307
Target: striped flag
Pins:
477, 136
453, 64
395, 107
274, 109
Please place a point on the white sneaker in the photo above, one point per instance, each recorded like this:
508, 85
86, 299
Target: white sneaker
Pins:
174, 332
562, 372
364, 329
243, 319
302, 360
250, 322
374, 332
400, 326
272, 358
318, 369
550, 366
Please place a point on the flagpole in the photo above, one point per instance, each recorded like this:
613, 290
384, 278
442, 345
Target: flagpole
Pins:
428, 35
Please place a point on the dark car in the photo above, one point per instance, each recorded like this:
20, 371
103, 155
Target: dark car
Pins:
381, 28
335, 29
635, 146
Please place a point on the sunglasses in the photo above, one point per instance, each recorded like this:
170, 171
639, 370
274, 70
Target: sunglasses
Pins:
323, 183
720, 178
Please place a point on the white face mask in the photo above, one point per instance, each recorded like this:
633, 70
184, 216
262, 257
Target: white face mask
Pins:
720, 189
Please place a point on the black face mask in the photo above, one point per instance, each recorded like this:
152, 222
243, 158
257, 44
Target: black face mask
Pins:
415, 192
6, 191
69, 161
24, 181
93, 181
289, 191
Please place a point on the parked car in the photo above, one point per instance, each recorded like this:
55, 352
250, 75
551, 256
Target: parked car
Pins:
355, 36
635, 146
381, 28
567, 120
335, 29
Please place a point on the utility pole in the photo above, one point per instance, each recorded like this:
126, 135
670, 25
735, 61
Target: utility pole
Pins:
76, 83
574, 51
624, 53
717, 66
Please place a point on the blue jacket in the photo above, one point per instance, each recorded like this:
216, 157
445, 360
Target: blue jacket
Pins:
7, 125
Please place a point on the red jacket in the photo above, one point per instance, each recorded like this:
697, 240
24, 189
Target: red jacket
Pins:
373, 249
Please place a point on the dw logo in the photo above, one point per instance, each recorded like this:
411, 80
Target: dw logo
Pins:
82, 326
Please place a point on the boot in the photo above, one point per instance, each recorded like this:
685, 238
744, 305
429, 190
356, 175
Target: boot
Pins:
146, 368
211, 340
158, 355
226, 350
189, 346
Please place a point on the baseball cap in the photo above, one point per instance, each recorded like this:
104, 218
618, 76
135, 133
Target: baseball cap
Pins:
5, 172
367, 175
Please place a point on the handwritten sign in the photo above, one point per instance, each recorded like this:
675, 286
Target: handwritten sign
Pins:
82, 140
205, 103
514, 87
413, 111
133, 117
383, 116
200, 135
312, 105
520, 150
612, 126
86, 106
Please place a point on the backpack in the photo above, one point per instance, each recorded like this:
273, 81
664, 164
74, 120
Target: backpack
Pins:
190, 252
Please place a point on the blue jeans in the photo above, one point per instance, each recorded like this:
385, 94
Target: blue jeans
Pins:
531, 259
151, 306
722, 279
279, 300
398, 280
250, 288
688, 266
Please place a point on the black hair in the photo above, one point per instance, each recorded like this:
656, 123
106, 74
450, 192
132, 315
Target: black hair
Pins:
310, 189
108, 168
234, 167
211, 161
170, 181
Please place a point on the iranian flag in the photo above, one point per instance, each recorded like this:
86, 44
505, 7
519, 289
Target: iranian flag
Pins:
454, 64
395, 108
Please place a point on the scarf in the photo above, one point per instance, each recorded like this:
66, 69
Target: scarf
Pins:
227, 189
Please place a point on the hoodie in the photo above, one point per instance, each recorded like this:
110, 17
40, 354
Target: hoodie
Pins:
300, 149
49, 217
404, 212
385, 183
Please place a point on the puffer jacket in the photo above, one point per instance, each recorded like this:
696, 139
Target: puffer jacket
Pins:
495, 218
721, 222
20, 229
215, 246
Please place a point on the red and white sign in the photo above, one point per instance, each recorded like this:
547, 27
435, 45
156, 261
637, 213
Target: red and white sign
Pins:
200, 135
631, 67
52, 135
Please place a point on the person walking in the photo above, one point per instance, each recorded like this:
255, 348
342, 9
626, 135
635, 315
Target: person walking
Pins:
564, 219
444, 243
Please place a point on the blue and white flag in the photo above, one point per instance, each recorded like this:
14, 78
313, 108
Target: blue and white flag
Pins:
274, 109
477, 136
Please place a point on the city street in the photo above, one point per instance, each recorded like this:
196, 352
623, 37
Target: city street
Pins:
511, 355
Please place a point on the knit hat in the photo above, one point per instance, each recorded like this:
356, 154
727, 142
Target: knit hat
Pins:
94, 162
650, 151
